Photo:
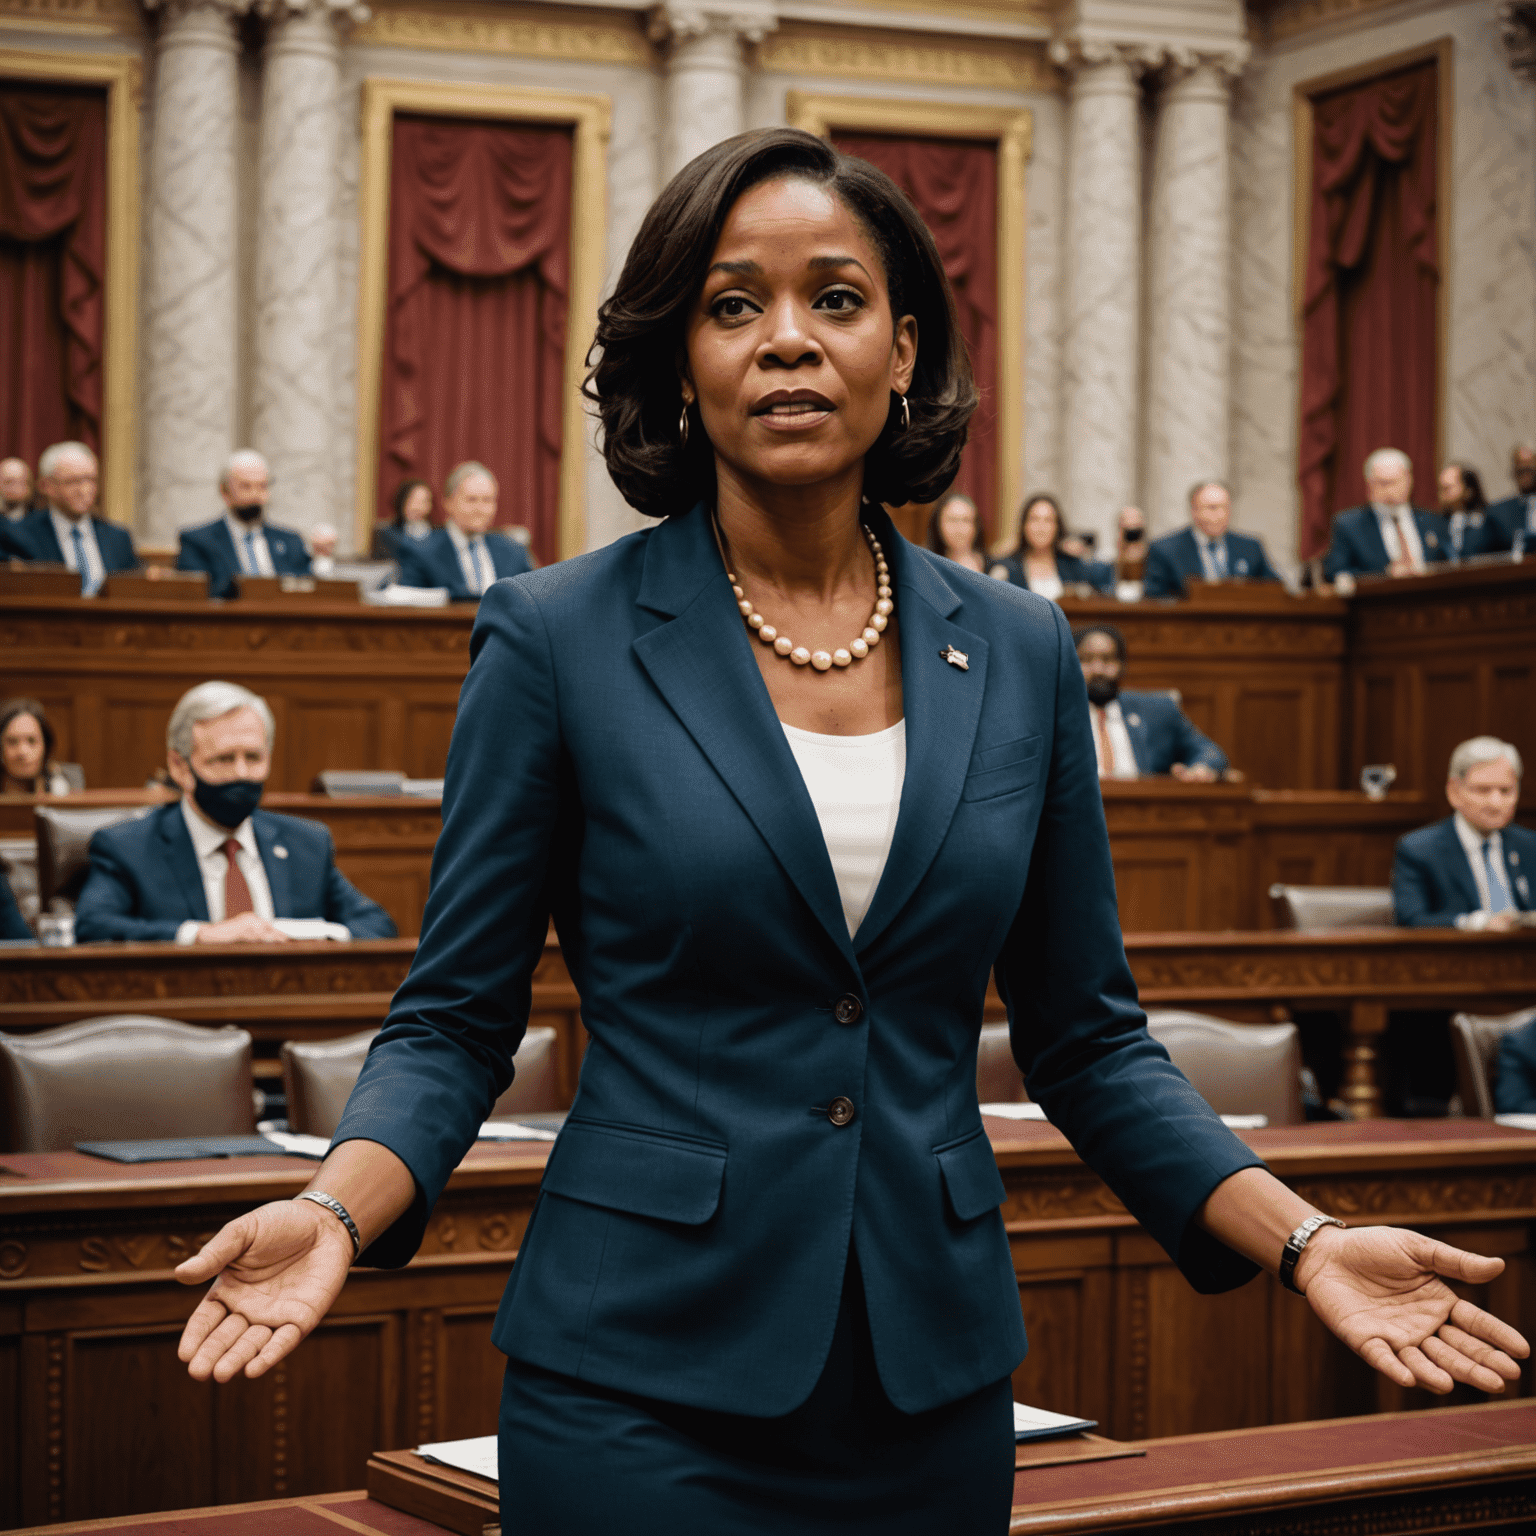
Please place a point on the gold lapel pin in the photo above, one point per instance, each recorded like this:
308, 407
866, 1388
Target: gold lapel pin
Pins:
956, 658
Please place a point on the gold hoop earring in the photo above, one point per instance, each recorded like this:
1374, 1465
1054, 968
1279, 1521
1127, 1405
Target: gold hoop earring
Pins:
682, 427
906, 415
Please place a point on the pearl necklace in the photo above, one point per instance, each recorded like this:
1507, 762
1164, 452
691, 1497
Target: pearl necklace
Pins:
822, 661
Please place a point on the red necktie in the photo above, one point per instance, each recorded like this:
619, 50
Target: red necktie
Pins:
237, 894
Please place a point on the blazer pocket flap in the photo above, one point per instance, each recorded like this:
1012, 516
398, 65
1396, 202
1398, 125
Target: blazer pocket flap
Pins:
970, 1175
629, 1168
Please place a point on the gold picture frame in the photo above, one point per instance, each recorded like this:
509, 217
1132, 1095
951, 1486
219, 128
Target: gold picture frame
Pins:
122, 75
1012, 130
590, 117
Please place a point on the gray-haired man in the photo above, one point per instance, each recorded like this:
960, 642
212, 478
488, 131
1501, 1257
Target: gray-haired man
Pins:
1389, 535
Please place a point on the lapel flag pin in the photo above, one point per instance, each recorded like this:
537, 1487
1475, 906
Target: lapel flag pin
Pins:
279, 850
956, 658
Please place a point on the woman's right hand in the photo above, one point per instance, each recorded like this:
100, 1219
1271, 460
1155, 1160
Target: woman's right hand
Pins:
276, 1272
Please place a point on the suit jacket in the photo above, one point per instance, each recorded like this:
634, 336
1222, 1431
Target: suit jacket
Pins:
1175, 557
1356, 544
617, 763
13, 546
1162, 735
12, 924
434, 562
1505, 519
1514, 1084
1094, 573
35, 530
144, 882
1470, 538
1432, 882
388, 541
210, 547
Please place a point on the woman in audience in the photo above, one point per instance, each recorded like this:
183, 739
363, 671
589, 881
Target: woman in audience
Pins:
1040, 564
1465, 507
954, 531
790, 787
26, 751
412, 521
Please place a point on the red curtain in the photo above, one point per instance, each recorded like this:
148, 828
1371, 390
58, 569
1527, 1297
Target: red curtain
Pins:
953, 185
53, 263
479, 287
1369, 343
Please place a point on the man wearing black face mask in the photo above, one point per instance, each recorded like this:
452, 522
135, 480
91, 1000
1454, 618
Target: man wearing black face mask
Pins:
214, 869
242, 542
1138, 733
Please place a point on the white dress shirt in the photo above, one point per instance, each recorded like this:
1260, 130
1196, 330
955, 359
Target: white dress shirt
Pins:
257, 549
63, 530
474, 558
1213, 555
213, 865
1472, 845
1400, 533
1123, 762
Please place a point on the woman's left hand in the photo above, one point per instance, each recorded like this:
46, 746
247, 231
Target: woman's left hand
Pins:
1380, 1290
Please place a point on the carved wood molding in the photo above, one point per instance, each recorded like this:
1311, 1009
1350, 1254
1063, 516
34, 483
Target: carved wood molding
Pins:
1500, 1194
1033, 1197
1432, 1509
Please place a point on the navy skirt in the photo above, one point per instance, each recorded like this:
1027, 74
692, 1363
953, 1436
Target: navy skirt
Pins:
577, 1459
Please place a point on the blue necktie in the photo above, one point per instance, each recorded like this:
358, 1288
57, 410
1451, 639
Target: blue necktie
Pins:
88, 584
251, 567
1498, 891
482, 558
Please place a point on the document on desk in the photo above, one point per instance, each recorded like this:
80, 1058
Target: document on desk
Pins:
476, 1456
1041, 1424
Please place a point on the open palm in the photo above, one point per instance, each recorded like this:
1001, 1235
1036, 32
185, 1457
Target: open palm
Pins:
279, 1268
1381, 1290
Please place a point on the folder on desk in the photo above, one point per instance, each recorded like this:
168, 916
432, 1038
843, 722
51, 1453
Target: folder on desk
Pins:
1041, 1424
180, 1149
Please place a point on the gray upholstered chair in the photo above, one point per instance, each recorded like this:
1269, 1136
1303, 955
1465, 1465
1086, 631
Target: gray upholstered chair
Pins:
1475, 1041
123, 1078
1238, 1069
319, 1074
998, 1079
64, 836
1321, 908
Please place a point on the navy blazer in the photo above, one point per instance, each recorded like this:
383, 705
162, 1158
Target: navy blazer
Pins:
12, 545
1162, 735
35, 531
143, 882
1093, 573
1466, 538
12, 924
434, 562
617, 763
1356, 544
1514, 1084
1174, 558
1505, 519
210, 547
1432, 883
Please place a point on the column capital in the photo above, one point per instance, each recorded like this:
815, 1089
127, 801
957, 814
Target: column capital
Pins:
343, 12
680, 21
1517, 25
175, 9
1213, 71
1076, 52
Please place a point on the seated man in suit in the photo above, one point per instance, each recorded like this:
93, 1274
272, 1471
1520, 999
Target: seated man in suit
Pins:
1472, 870
1207, 548
212, 869
12, 924
67, 533
16, 500
242, 542
1138, 733
1513, 520
464, 555
1388, 533
1514, 1083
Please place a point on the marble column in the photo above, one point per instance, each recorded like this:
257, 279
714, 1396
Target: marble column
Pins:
706, 74
1189, 291
293, 405
189, 324
1102, 329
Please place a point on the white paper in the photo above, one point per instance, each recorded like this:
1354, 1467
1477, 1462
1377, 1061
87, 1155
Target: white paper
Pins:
511, 1130
300, 1146
312, 928
1041, 1424
1519, 1122
396, 596
1024, 1111
1245, 1122
477, 1456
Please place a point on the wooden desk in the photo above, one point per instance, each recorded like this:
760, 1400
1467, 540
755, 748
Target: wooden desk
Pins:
88, 1310
326, 1514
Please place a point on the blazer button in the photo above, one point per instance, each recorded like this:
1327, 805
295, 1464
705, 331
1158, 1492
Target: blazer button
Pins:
840, 1111
848, 1010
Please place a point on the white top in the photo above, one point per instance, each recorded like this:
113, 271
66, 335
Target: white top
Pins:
1399, 533
1472, 845
1122, 763
254, 557
95, 571
1047, 586
213, 864
855, 785
474, 558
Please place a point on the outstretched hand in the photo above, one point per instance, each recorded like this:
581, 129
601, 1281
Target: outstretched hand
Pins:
1381, 1290
276, 1272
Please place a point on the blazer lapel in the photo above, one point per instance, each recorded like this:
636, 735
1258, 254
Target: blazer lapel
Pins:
1517, 875
702, 664
275, 865
182, 858
1136, 728
1371, 536
942, 705
1189, 555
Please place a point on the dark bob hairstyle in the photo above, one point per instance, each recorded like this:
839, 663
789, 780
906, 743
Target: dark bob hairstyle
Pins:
641, 328
1021, 548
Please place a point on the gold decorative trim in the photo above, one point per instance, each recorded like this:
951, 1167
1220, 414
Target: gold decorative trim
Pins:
1304, 93
591, 119
1012, 130
107, 18
855, 53
123, 77
473, 26
1291, 18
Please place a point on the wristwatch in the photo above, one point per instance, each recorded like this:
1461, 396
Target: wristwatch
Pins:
1296, 1245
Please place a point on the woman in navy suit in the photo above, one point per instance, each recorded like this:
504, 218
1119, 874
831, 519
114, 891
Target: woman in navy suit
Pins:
789, 788
1038, 562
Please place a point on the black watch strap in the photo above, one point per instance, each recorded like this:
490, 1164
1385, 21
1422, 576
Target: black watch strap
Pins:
1296, 1245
